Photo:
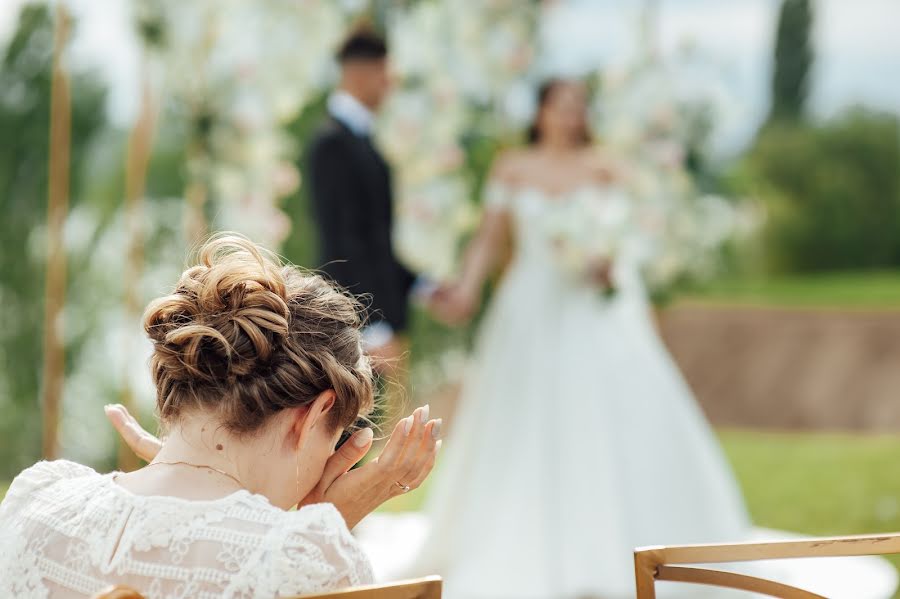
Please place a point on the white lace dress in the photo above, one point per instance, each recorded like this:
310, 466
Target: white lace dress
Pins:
67, 531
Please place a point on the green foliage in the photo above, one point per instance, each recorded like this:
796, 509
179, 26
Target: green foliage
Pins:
793, 59
831, 192
858, 290
24, 120
300, 247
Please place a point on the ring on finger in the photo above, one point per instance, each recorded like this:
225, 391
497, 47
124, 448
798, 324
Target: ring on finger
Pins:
403, 488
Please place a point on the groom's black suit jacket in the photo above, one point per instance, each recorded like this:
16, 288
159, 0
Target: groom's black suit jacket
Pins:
351, 194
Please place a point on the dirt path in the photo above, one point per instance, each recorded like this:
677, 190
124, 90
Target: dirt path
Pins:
790, 368
776, 368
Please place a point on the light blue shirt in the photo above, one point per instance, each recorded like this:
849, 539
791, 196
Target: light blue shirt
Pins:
354, 114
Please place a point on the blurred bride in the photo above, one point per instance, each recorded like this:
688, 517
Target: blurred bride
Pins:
576, 438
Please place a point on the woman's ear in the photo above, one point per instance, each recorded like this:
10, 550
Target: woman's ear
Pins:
316, 413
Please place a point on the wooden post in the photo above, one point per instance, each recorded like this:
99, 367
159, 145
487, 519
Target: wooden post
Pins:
140, 141
195, 194
53, 373
198, 157
645, 564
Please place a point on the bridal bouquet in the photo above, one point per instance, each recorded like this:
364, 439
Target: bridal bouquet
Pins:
587, 233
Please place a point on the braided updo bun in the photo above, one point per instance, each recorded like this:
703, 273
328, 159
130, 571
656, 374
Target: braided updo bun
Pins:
247, 337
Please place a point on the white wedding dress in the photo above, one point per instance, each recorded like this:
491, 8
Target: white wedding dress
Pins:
575, 441
67, 532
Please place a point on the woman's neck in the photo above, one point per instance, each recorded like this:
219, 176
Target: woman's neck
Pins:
558, 146
232, 462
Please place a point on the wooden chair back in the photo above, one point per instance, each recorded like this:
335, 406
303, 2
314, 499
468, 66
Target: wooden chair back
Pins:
119, 591
420, 588
670, 563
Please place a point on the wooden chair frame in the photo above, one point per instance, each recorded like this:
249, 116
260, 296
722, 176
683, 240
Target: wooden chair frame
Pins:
119, 591
669, 563
420, 588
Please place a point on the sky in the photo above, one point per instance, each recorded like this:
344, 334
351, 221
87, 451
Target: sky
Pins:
857, 48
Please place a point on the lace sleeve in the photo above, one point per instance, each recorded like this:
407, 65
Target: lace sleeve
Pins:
45, 473
36, 477
497, 195
318, 553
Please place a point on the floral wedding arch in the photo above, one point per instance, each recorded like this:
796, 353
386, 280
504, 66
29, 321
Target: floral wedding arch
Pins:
234, 72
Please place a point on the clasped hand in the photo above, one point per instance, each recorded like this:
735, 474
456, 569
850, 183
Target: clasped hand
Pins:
453, 304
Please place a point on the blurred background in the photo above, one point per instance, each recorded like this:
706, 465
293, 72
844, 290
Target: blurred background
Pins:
128, 130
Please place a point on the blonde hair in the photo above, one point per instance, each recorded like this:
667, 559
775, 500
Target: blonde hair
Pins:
246, 337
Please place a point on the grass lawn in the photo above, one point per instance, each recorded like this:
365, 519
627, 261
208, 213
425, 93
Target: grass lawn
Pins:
859, 290
816, 484
819, 484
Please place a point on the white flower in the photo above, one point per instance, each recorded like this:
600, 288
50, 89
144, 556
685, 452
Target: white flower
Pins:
453, 59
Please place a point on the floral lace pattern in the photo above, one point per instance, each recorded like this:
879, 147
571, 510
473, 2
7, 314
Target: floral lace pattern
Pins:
67, 532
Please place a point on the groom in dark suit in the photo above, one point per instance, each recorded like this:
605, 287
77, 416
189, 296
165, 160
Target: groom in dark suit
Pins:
351, 193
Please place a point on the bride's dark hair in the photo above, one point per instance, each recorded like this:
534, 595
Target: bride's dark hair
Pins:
543, 96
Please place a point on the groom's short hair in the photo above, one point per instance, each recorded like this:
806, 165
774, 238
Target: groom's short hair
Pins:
362, 44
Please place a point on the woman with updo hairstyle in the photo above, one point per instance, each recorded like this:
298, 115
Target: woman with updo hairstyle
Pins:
259, 375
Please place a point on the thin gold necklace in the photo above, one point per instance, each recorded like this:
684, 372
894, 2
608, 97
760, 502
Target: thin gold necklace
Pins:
199, 467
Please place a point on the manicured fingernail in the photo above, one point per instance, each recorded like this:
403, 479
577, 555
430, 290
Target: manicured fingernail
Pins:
424, 415
363, 437
436, 429
107, 407
438, 445
407, 424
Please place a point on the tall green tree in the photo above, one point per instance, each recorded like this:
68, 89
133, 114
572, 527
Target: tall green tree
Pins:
793, 60
831, 192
